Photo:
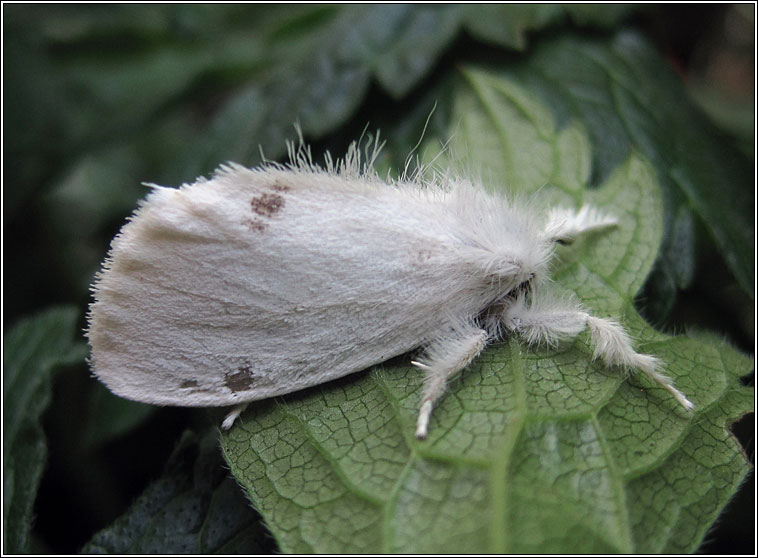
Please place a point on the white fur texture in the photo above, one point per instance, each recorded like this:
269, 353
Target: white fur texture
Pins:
262, 282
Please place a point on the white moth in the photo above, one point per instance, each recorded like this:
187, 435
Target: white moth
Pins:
262, 282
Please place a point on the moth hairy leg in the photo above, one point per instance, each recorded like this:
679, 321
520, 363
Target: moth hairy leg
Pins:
236, 411
443, 358
549, 323
613, 344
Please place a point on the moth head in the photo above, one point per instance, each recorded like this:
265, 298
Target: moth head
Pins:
520, 266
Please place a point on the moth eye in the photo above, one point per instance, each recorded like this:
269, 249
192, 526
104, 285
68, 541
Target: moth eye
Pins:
526, 286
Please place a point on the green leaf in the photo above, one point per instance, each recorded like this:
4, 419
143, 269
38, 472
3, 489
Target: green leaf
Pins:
193, 508
116, 416
629, 99
31, 110
507, 24
400, 42
115, 71
33, 350
531, 450
167, 93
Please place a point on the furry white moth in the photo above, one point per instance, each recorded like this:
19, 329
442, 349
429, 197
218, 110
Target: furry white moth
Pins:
262, 282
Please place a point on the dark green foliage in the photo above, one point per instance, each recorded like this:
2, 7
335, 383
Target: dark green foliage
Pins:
574, 101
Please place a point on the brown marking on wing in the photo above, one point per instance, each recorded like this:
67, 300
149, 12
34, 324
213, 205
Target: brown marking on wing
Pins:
267, 205
241, 380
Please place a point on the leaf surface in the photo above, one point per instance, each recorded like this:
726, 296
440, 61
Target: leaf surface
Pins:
530, 450
629, 99
193, 508
32, 351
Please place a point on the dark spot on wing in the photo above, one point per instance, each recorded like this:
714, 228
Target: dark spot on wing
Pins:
186, 384
279, 187
267, 205
241, 380
256, 224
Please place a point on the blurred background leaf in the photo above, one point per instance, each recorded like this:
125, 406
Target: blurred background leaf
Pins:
193, 508
32, 351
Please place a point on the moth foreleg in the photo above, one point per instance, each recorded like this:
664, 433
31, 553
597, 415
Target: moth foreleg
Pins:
443, 358
550, 323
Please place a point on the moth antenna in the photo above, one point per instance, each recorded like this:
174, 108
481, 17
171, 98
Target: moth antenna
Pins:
566, 224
